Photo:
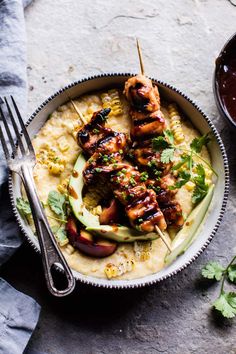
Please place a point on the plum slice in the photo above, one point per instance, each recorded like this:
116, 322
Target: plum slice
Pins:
87, 243
110, 214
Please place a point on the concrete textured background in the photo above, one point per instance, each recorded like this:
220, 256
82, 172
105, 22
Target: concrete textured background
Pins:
68, 40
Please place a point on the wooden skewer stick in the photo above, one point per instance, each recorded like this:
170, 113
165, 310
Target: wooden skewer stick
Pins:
157, 229
80, 114
140, 57
162, 237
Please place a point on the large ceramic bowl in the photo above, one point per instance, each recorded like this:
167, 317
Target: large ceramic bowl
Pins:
199, 120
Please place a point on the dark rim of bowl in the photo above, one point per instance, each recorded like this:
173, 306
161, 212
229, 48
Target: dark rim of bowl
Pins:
223, 111
223, 206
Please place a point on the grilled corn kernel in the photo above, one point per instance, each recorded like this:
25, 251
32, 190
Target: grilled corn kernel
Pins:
55, 168
142, 250
62, 187
113, 271
208, 173
190, 186
63, 144
75, 130
90, 111
108, 271
45, 146
175, 123
69, 249
112, 100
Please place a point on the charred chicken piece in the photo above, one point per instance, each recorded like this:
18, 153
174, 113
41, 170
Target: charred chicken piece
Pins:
142, 94
144, 155
170, 208
140, 203
151, 124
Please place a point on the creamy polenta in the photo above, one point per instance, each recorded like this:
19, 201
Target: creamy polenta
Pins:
57, 150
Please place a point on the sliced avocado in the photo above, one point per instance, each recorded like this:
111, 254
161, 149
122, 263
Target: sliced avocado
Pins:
121, 233
76, 184
188, 233
90, 221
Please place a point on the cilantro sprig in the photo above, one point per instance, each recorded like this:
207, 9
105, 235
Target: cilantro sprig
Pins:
165, 144
226, 301
57, 203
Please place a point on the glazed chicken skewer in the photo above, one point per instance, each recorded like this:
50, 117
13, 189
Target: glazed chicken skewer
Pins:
107, 150
142, 187
147, 122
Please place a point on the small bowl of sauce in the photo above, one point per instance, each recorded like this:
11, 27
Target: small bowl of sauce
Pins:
225, 81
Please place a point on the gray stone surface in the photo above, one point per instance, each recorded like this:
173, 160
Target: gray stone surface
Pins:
68, 40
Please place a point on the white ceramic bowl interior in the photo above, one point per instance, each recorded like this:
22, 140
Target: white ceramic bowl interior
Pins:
199, 120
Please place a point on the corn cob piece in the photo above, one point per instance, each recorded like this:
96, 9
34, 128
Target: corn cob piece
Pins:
175, 123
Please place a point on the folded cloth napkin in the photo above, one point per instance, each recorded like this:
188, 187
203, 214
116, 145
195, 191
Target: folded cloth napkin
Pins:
18, 312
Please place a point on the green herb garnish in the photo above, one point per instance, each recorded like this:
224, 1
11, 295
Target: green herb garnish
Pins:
143, 176
167, 155
201, 188
183, 178
23, 207
132, 181
198, 143
226, 301
57, 203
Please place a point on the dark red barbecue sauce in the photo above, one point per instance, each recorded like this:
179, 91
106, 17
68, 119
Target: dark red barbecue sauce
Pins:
226, 79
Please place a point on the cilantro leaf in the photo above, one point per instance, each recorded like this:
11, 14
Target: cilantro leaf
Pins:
184, 159
60, 234
184, 177
159, 143
23, 207
169, 135
226, 304
232, 273
213, 270
198, 143
56, 202
201, 188
167, 155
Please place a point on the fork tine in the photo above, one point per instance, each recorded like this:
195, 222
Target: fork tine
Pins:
15, 128
8, 131
4, 144
24, 131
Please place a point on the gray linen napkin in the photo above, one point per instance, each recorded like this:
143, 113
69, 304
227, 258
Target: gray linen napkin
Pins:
18, 312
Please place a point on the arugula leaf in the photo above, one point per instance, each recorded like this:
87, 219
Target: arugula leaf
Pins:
232, 273
201, 188
56, 202
159, 143
184, 177
226, 304
167, 155
213, 270
169, 135
198, 143
23, 207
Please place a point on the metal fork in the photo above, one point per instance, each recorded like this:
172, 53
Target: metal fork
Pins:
21, 160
